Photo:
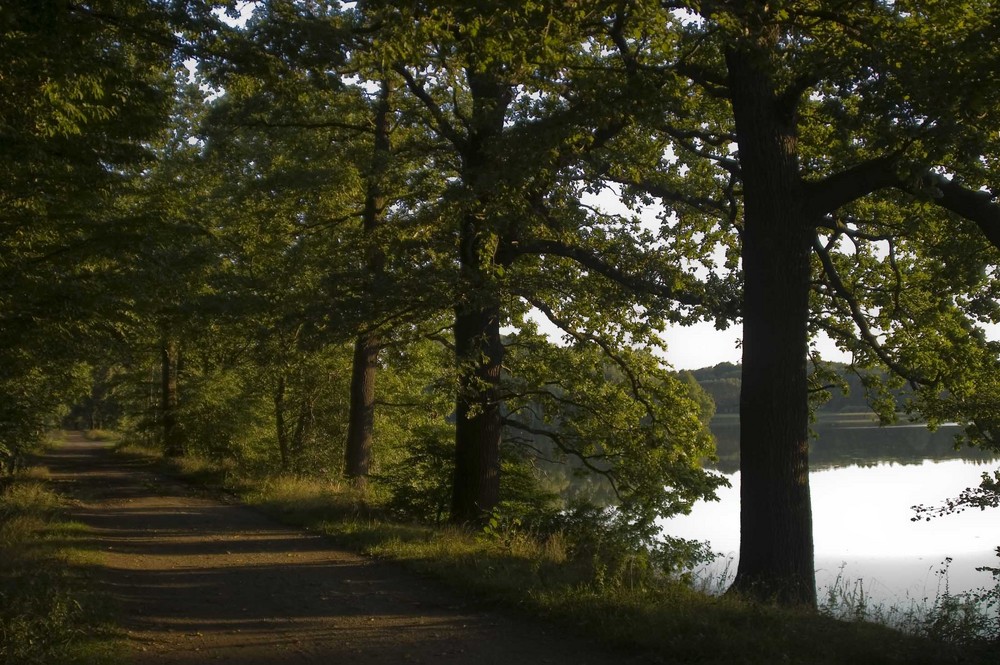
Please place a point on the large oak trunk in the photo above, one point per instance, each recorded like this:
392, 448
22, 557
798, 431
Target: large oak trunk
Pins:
776, 540
476, 489
478, 346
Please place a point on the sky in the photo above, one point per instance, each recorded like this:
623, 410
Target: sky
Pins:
701, 345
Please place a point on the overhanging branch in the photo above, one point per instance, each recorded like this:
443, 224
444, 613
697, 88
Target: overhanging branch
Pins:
825, 196
566, 448
597, 264
974, 205
634, 382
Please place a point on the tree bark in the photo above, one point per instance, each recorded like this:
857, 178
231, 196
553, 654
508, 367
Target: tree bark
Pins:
303, 425
361, 423
476, 487
173, 445
776, 539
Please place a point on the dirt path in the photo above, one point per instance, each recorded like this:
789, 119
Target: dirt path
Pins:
201, 581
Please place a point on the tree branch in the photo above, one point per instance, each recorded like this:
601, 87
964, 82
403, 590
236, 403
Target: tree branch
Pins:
684, 139
443, 125
557, 439
593, 262
700, 203
858, 316
825, 196
305, 124
975, 206
634, 382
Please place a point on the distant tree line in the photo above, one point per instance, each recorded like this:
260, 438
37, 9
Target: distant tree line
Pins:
847, 391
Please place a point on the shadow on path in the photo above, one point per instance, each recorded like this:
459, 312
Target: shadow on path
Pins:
199, 581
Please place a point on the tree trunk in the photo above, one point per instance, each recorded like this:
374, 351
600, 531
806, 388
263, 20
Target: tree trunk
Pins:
476, 488
361, 424
280, 426
303, 427
478, 346
361, 417
173, 446
776, 540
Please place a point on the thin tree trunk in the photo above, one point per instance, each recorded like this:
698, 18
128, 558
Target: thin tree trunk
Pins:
173, 446
150, 417
280, 426
302, 427
361, 417
776, 539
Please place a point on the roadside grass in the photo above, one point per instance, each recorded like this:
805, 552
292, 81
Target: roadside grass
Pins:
576, 589
49, 614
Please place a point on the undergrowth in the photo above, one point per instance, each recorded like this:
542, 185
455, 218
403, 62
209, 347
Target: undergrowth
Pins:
48, 615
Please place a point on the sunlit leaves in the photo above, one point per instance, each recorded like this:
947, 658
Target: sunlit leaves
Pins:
616, 411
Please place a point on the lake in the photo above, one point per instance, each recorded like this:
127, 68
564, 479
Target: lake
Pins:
864, 482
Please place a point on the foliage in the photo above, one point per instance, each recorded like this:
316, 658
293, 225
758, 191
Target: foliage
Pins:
986, 495
989, 598
36, 393
420, 482
611, 553
617, 414
974, 615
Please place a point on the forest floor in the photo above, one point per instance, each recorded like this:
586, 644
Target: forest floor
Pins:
199, 580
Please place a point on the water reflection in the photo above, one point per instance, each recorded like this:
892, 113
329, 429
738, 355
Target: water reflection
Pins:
864, 482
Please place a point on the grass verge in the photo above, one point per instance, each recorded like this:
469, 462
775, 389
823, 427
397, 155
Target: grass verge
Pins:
545, 577
48, 612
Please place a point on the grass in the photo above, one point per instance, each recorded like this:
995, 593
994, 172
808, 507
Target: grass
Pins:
545, 577
960, 618
48, 612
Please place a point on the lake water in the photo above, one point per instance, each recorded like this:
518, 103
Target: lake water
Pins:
864, 482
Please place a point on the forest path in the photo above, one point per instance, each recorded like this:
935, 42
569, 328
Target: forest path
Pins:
201, 581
